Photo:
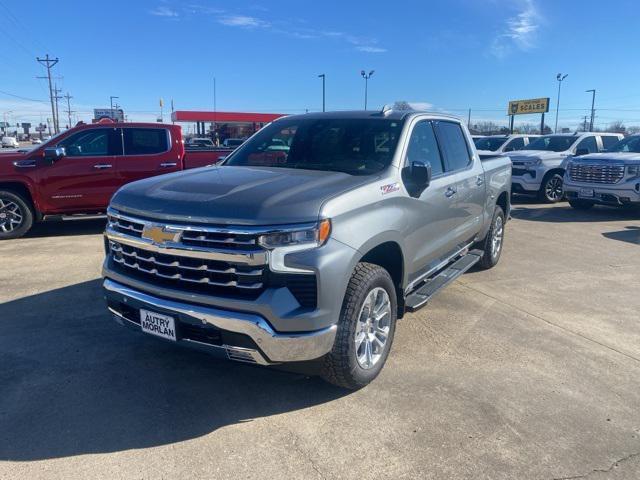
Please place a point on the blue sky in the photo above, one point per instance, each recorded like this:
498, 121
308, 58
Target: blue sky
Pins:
266, 55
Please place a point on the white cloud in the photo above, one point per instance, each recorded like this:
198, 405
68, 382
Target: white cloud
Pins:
243, 21
521, 31
163, 11
370, 49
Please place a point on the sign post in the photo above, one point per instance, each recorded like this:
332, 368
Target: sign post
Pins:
524, 107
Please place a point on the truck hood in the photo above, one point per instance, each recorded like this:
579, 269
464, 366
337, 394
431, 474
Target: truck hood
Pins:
528, 155
630, 158
227, 195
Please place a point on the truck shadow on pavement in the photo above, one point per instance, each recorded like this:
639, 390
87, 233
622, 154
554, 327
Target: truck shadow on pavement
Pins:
628, 235
74, 382
564, 213
68, 227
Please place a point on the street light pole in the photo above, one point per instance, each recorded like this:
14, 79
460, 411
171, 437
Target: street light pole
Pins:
593, 104
560, 79
111, 103
323, 76
366, 77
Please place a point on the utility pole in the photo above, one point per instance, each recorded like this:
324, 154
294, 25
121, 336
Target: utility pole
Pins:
469, 119
49, 63
69, 97
111, 106
560, 79
366, 77
323, 77
593, 104
215, 106
584, 124
57, 97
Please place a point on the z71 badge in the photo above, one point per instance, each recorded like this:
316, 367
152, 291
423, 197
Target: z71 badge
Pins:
390, 188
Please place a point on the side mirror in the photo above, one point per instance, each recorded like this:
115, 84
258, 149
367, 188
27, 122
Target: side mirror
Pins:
53, 154
581, 151
421, 174
417, 177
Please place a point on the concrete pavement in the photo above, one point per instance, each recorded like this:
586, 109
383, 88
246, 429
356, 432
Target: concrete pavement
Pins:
530, 370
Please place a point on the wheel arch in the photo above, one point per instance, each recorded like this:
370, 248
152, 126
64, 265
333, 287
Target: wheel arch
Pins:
389, 256
24, 191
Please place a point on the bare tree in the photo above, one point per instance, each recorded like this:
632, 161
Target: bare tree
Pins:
616, 127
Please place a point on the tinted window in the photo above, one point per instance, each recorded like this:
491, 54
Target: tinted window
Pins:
553, 143
490, 143
515, 144
358, 146
629, 144
608, 142
423, 147
88, 143
454, 145
145, 141
588, 144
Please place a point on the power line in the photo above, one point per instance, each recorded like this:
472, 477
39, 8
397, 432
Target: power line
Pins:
21, 97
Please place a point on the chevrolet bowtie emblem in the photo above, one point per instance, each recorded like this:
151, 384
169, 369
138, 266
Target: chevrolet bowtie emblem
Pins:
160, 235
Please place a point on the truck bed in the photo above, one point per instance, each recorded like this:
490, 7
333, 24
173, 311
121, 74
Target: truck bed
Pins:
202, 157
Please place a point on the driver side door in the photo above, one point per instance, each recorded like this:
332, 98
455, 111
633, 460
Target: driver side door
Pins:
86, 177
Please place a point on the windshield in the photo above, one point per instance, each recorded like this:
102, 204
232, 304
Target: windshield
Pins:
553, 143
490, 143
629, 144
358, 146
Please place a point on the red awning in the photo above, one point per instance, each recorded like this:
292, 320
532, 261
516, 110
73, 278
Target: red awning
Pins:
196, 116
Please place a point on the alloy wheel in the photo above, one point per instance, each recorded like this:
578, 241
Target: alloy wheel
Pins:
553, 189
11, 215
496, 238
372, 328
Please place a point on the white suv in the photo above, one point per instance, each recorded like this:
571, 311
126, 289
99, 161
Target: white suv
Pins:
497, 144
10, 142
540, 168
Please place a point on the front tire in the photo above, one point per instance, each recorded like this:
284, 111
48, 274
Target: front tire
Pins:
581, 204
492, 244
552, 189
16, 215
365, 329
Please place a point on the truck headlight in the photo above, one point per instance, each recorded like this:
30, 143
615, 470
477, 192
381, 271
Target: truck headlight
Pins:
310, 237
633, 170
280, 244
532, 163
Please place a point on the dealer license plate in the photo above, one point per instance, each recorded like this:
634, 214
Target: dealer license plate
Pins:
158, 324
586, 192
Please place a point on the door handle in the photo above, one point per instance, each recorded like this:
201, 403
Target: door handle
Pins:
168, 164
102, 166
25, 163
479, 180
450, 192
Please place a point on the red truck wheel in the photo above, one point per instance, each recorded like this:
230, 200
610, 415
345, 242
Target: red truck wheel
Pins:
16, 216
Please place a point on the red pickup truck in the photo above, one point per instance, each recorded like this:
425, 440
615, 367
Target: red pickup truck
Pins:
78, 171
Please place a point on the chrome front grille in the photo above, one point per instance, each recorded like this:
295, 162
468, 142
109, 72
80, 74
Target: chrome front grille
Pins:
596, 173
185, 269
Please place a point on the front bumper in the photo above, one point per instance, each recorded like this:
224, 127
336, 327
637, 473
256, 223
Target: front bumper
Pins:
242, 336
623, 193
527, 181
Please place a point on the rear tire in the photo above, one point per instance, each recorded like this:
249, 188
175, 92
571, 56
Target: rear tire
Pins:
581, 204
551, 190
493, 242
16, 215
365, 329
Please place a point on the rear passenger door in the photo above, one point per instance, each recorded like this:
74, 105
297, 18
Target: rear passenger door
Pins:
147, 152
467, 180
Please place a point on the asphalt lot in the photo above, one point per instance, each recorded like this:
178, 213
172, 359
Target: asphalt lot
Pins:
531, 370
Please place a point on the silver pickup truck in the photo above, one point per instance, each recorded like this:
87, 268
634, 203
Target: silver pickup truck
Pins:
308, 253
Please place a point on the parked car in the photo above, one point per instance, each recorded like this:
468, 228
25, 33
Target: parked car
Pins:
233, 142
539, 169
200, 143
608, 178
308, 255
10, 142
78, 171
36, 141
496, 144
